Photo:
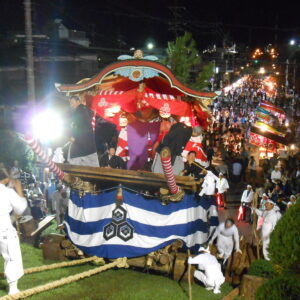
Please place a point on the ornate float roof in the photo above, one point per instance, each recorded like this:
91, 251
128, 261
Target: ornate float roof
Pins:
130, 72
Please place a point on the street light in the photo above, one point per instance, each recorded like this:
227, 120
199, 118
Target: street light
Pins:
150, 46
292, 42
47, 126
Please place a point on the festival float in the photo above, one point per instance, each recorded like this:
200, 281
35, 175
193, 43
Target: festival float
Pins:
269, 132
144, 216
269, 126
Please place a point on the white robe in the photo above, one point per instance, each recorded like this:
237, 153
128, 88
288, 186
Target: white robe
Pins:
209, 184
9, 241
212, 276
275, 175
247, 198
225, 238
61, 205
270, 219
222, 185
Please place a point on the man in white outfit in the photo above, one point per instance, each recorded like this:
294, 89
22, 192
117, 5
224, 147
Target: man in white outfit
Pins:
56, 196
209, 272
61, 206
12, 200
226, 234
247, 198
208, 193
271, 216
209, 184
222, 187
276, 174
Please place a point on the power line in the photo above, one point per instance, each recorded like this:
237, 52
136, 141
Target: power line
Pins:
295, 29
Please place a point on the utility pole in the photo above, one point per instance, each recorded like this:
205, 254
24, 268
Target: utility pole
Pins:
276, 31
177, 24
29, 53
294, 76
249, 36
214, 76
287, 76
93, 33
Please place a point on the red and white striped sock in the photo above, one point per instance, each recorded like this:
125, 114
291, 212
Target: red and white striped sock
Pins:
167, 166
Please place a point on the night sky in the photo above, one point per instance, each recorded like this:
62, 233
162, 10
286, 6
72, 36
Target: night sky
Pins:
133, 23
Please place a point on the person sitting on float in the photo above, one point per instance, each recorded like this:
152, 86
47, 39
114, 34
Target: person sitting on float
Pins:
111, 160
191, 167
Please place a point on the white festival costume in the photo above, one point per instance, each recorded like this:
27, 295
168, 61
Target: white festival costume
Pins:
210, 275
225, 239
9, 241
222, 185
209, 184
247, 196
270, 217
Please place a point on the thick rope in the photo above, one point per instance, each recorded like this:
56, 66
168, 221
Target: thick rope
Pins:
120, 263
60, 265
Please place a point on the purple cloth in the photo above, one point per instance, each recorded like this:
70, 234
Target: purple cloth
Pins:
137, 135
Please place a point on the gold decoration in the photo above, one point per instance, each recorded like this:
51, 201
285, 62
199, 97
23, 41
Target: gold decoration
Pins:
167, 198
136, 74
138, 54
83, 186
165, 152
119, 196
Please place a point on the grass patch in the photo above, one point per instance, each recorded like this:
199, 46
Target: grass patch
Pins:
119, 284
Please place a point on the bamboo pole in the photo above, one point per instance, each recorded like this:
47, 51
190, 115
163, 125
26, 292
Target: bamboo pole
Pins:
189, 278
254, 225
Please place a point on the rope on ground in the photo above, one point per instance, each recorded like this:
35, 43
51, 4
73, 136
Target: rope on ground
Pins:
120, 263
61, 265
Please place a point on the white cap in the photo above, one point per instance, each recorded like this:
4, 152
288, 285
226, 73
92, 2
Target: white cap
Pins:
292, 197
221, 173
249, 186
202, 249
265, 195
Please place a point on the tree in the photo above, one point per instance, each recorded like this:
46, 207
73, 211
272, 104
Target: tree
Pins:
285, 286
12, 148
204, 76
183, 58
284, 247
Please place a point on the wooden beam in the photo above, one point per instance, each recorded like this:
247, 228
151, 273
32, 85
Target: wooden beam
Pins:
127, 176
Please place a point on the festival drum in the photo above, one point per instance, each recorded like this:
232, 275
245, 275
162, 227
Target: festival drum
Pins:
27, 225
